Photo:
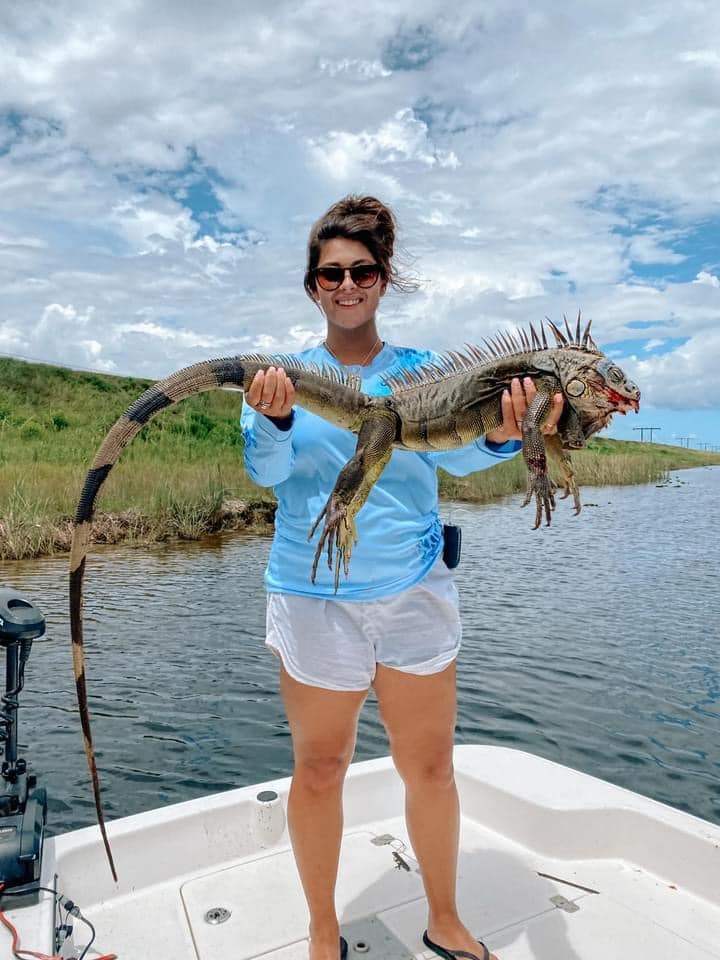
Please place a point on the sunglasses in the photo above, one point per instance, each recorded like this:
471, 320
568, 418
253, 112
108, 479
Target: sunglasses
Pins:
364, 275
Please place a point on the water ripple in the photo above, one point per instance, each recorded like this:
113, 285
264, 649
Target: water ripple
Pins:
593, 642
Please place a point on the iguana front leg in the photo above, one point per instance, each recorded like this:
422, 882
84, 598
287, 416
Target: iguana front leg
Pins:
539, 483
351, 490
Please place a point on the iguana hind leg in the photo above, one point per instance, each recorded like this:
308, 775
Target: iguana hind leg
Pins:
353, 485
554, 447
570, 430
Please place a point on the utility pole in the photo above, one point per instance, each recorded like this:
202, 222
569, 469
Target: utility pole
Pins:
681, 439
650, 430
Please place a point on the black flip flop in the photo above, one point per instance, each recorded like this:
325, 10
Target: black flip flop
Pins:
453, 954
343, 948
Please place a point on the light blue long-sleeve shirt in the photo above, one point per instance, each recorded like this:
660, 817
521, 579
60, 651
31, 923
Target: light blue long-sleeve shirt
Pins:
400, 535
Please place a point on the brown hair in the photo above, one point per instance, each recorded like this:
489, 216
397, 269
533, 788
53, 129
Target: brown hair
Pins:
364, 219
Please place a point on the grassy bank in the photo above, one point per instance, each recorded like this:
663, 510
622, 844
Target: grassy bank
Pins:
604, 462
183, 475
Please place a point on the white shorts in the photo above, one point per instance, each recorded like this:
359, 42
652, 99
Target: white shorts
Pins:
336, 644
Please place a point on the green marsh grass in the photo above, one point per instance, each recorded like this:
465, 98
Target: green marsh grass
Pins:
605, 462
178, 476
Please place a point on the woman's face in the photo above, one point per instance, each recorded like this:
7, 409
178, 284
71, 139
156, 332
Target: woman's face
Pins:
350, 306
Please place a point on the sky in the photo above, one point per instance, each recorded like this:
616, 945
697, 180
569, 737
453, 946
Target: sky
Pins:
162, 162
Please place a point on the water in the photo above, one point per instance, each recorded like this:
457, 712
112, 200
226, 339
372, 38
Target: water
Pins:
593, 643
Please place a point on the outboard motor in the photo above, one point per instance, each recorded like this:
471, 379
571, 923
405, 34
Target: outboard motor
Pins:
23, 806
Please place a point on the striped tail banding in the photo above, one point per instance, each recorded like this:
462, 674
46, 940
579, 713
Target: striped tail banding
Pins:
207, 375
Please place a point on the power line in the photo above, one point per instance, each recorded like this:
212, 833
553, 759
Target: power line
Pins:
650, 430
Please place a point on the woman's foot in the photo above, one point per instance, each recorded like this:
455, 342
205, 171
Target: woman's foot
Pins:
328, 946
453, 936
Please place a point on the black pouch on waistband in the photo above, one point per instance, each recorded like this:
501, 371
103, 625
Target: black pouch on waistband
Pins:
452, 541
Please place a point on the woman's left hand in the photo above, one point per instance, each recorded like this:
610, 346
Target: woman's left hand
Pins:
514, 406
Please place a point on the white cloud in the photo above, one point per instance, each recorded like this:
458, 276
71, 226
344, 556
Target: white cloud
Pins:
365, 68
20, 241
296, 339
650, 247
156, 201
709, 278
399, 140
683, 378
145, 223
64, 333
177, 337
706, 58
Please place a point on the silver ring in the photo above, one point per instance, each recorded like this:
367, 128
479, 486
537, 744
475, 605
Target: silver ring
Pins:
263, 404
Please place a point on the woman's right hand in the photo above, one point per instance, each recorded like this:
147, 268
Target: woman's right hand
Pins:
271, 393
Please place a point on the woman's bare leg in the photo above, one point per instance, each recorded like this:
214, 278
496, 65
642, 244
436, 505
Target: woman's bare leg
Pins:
323, 724
419, 716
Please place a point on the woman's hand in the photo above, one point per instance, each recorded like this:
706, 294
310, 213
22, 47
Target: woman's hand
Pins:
271, 393
514, 406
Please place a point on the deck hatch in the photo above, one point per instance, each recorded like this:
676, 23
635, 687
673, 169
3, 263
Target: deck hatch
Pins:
562, 903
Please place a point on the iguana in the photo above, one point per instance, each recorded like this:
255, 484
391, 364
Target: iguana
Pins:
444, 404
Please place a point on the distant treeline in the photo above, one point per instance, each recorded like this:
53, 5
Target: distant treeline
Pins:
183, 476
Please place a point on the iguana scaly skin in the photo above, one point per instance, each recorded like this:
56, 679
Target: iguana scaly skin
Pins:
442, 405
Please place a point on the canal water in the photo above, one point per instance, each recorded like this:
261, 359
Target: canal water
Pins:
594, 642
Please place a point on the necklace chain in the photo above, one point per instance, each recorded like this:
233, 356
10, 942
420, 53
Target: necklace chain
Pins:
361, 363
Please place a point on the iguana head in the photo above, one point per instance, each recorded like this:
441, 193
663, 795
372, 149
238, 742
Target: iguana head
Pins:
596, 388
593, 385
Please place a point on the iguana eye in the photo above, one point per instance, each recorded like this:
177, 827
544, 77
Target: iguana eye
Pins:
616, 374
575, 388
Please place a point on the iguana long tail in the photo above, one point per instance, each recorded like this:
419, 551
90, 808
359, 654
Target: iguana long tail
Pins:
313, 389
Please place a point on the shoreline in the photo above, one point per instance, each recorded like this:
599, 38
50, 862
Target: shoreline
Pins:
38, 538
53, 536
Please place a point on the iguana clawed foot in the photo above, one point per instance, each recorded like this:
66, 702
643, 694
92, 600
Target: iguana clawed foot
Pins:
543, 489
570, 487
338, 534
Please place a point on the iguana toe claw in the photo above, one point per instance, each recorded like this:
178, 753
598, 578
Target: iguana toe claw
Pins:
337, 539
542, 488
570, 487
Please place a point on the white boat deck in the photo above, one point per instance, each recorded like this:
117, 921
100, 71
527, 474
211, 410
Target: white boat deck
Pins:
554, 865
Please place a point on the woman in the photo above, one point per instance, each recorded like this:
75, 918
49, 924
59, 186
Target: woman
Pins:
394, 623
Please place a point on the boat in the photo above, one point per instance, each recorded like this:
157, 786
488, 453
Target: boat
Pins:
554, 865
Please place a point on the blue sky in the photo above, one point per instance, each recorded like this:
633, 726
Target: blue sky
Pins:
161, 163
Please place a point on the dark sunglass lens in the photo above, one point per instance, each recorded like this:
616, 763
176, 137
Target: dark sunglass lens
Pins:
365, 275
329, 278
